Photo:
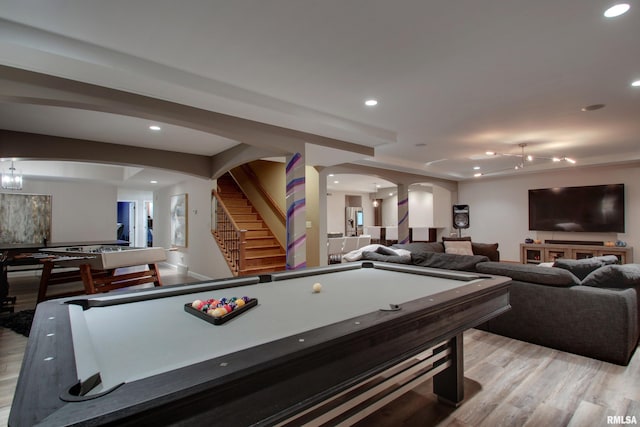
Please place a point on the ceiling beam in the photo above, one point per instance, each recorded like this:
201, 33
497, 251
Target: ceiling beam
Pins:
30, 146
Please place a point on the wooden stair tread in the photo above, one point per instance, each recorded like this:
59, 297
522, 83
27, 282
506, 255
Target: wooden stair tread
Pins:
262, 251
263, 269
274, 246
255, 257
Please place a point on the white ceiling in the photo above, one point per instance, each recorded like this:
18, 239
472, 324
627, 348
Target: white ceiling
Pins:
453, 78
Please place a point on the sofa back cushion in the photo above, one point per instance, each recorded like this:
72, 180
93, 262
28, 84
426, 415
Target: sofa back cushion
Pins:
490, 250
579, 267
530, 273
614, 276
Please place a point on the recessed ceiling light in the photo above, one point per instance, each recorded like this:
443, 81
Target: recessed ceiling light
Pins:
475, 168
636, 83
336, 182
153, 182
371, 102
477, 174
155, 127
490, 153
593, 107
616, 10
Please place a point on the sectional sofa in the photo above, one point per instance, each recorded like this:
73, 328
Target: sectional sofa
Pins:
588, 307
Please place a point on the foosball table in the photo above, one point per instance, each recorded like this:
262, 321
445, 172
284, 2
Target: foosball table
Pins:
97, 266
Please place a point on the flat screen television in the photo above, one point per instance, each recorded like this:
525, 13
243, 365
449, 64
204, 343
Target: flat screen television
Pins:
594, 208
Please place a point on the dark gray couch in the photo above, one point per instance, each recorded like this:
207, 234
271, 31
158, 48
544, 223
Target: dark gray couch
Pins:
587, 307
550, 306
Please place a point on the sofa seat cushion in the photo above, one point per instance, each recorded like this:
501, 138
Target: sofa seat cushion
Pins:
550, 276
447, 261
614, 276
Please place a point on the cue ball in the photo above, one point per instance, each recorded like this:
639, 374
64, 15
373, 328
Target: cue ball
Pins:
317, 287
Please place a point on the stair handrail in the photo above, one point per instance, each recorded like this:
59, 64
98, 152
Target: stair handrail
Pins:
247, 169
230, 237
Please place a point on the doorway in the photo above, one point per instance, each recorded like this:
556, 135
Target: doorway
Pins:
148, 212
126, 229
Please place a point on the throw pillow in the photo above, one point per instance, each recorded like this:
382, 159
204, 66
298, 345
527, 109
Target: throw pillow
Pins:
608, 259
458, 247
490, 250
384, 250
356, 255
614, 276
579, 267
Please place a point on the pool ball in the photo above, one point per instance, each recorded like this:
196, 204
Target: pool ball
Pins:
218, 312
317, 287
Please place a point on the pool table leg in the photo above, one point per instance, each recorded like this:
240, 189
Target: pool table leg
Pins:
449, 384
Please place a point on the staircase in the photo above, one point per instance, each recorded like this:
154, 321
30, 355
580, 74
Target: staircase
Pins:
260, 250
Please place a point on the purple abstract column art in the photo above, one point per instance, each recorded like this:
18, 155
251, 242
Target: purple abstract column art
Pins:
403, 214
296, 213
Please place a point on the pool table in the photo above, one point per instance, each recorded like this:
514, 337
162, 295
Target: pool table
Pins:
373, 332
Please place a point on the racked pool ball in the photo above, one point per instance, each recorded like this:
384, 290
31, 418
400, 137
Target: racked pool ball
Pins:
218, 312
317, 287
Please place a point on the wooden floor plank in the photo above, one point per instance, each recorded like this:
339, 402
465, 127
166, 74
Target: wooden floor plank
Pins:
588, 414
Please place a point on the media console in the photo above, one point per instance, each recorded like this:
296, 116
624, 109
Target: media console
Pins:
535, 253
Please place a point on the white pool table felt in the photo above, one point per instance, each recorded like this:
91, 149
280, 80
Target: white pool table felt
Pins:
133, 341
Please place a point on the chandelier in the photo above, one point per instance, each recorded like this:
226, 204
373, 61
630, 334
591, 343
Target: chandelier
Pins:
374, 195
11, 179
523, 158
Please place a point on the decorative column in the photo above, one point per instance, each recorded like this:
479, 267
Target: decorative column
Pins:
403, 213
296, 213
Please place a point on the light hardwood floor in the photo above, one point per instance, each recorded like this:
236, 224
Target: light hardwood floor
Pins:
507, 383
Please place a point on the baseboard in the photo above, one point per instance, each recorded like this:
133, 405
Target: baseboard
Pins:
199, 276
189, 273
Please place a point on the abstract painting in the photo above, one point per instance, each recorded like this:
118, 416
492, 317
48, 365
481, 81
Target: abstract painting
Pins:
179, 225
